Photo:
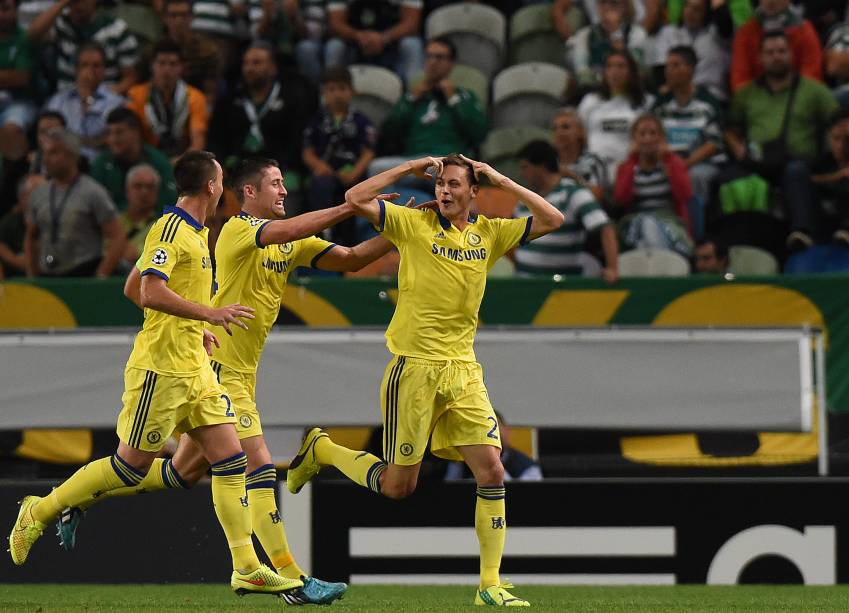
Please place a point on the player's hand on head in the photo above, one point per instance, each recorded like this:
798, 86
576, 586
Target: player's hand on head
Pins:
482, 168
232, 314
423, 165
209, 341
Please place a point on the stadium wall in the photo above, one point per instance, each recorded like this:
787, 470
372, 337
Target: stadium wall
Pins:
587, 531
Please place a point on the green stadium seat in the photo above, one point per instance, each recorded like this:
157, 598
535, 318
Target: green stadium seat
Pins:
141, 20
745, 260
502, 144
533, 37
528, 94
477, 30
474, 80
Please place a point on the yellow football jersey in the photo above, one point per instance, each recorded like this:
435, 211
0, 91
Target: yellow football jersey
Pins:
255, 276
442, 278
177, 250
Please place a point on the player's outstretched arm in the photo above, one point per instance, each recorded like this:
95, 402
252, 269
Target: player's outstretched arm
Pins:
156, 295
363, 196
351, 259
283, 231
546, 217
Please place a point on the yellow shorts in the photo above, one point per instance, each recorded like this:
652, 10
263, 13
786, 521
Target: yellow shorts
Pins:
241, 387
445, 400
155, 405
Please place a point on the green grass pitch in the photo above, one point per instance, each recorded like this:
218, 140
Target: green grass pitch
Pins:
49, 598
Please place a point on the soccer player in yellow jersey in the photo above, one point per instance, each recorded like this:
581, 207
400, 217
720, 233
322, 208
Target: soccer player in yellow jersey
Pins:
170, 384
255, 252
433, 386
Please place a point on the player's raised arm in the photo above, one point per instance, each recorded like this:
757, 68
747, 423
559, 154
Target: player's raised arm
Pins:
363, 196
546, 217
352, 259
155, 294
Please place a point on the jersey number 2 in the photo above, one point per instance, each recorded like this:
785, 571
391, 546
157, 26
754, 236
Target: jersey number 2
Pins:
491, 433
229, 412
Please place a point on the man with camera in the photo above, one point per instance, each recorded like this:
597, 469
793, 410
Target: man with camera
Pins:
775, 129
70, 218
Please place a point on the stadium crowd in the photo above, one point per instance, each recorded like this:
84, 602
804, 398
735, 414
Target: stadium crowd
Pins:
689, 127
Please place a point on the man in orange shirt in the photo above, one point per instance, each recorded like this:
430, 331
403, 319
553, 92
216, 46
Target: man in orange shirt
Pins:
173, 113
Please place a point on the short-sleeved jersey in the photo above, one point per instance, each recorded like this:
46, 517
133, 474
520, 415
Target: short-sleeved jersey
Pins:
442, 278
252, 275
177, 250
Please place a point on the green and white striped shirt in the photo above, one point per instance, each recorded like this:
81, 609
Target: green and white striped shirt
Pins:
562, 251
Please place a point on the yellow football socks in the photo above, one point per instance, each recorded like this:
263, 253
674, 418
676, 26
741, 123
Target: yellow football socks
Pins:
231, 507
491, 527
89, 482
359, 466
267, 522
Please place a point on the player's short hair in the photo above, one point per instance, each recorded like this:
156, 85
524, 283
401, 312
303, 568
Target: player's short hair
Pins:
337, 74
540, 153
192, 171
686, 53
249, 172
166, 46
125, 116
454, 159
446, 42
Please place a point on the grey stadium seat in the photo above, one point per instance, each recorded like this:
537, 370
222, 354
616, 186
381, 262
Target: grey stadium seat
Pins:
376, 91
473, 80
533, 37
501, 146
744, 260
478, 31
653, 263
528, 94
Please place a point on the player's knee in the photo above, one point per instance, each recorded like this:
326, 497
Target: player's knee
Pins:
491, 473
397, 490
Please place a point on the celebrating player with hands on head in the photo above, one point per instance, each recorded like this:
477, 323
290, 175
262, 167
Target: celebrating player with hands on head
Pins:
433, 385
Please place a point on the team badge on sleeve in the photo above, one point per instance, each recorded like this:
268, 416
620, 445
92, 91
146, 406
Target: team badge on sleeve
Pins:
160, 256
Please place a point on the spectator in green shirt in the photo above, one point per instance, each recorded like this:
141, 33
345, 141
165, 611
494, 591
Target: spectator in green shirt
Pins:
17, 111
436, 117
125, 149
755, 124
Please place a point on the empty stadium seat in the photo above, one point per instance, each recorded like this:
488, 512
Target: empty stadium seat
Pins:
533, 37
376, 91
819, 258
653, 263
744, 260
528, 94
477, 30
142, 21
502, 144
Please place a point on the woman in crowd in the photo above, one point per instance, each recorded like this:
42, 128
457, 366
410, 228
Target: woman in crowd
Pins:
570, 139
653, 187
608, 114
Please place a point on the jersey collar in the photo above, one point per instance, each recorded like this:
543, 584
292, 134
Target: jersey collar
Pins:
443, 221
185, 215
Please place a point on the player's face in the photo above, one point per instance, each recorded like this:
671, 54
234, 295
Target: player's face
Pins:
217, 188
272, 193
454, 193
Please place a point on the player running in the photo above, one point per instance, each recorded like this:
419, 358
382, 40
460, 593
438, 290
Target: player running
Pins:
255, 253
433, 385
169, 383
